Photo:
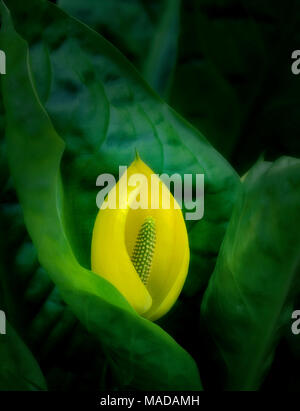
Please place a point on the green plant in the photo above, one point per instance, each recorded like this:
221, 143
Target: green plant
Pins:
75, 107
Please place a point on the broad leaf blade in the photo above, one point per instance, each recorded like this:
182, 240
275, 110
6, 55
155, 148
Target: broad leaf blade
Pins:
18, 369
251, 293
104, 111
145, 356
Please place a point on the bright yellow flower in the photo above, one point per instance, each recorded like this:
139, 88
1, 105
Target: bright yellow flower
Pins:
143, 252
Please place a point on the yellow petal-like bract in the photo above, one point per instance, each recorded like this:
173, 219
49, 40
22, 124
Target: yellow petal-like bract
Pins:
143, 252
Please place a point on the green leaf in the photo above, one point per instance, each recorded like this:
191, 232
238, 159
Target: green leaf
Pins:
104, 111
248, 303
172, 58
38, 314
141, 352
161, 59
18, 368
199, 90
146, 32
130, 26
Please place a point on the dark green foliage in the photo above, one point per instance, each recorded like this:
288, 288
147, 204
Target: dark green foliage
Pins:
251, 294
73, 107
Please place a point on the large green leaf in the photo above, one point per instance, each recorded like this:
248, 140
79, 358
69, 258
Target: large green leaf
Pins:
248, 303
226, 65
103, 110
143, 354
18, 368
200, 90
146, 32
176, 57
129, 25
161, 58
40, 317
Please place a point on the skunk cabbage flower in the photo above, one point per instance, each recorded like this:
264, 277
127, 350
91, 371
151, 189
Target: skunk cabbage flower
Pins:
141, 247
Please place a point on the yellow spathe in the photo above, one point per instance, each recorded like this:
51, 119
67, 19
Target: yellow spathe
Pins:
115, 236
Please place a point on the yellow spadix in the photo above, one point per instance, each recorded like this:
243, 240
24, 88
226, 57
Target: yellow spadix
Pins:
141, 245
